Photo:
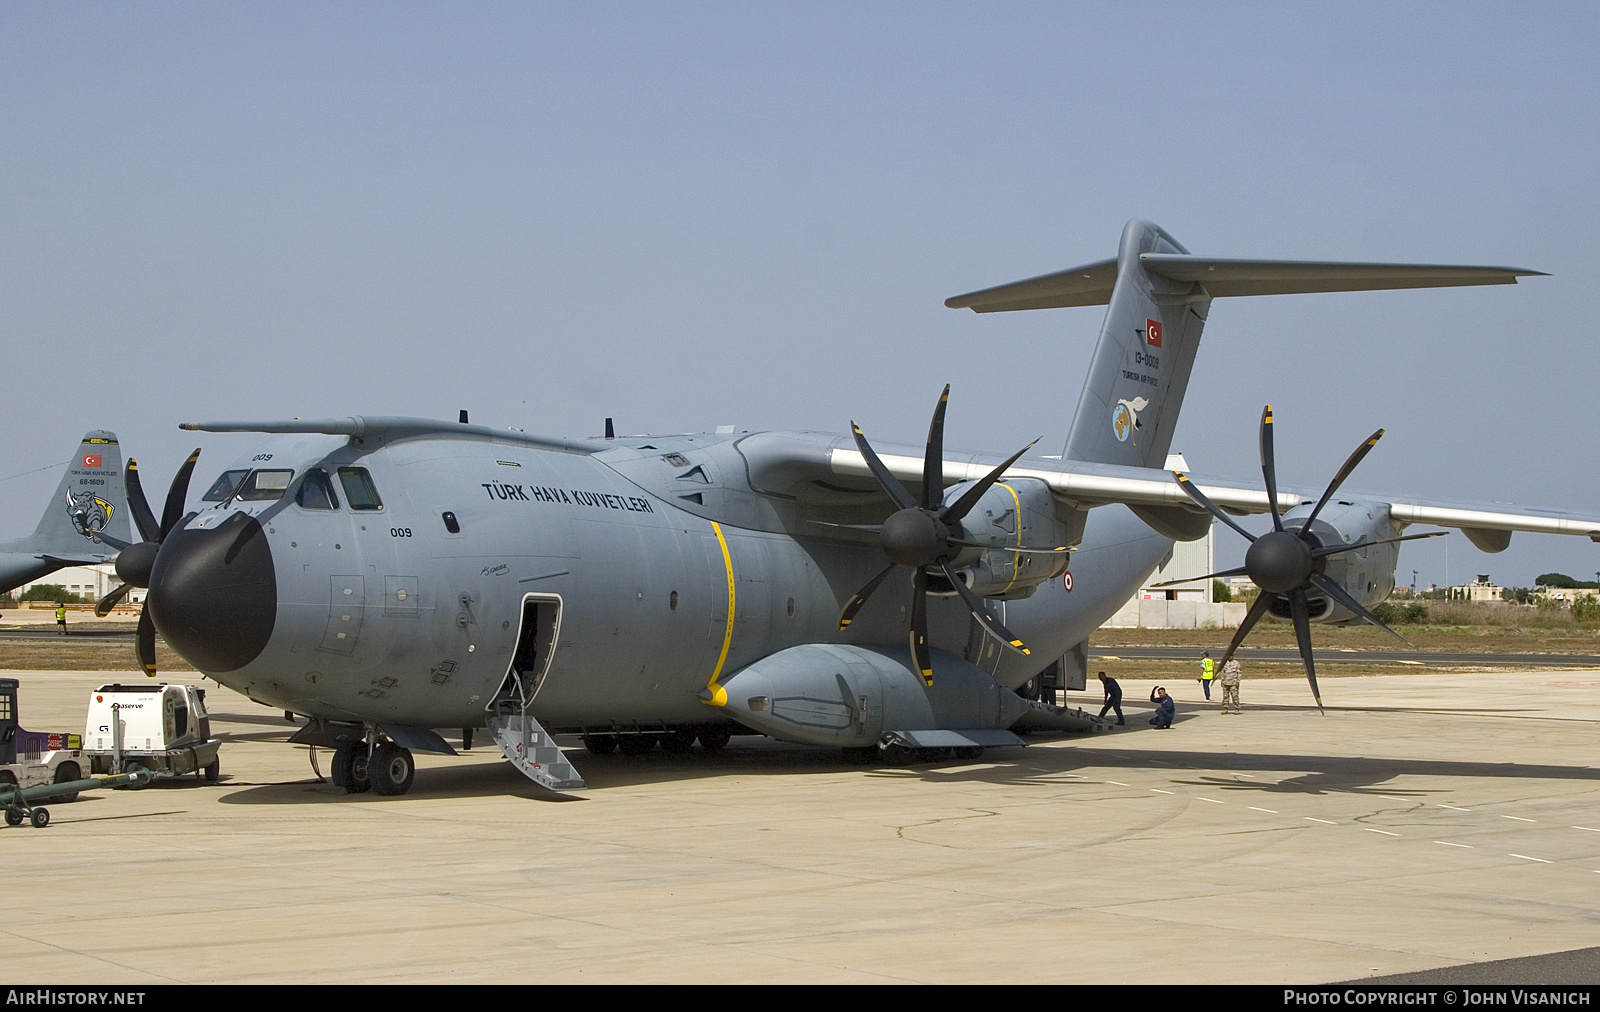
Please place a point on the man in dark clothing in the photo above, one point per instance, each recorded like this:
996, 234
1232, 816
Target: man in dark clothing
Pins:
1113, 697
1166, 709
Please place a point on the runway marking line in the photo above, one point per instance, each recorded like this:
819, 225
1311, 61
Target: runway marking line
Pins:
1518, 818
1586, 829
1390, 797
1464, 846
1325, 822
1453, 808
1160, 791
1385, 832
1214, 801
1253, 808
1527, 858
1117, 782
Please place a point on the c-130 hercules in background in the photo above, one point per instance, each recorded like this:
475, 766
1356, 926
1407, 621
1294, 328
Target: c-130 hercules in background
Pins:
386, 577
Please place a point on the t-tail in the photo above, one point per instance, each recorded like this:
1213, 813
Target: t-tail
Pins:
1158, 296
89, 500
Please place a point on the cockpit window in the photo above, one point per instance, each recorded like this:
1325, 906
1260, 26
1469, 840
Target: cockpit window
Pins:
359, 491
261, 486
316, 491
223, 489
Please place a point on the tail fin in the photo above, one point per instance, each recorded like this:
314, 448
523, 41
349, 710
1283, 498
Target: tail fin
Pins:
90, 499
1130, 400
1158, 296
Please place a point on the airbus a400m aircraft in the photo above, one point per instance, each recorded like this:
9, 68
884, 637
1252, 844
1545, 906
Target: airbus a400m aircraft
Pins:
387, 577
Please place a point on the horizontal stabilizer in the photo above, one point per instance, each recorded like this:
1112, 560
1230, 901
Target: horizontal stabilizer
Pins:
1091, 284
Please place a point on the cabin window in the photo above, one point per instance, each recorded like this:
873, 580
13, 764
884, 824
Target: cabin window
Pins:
316, 491
264, 486
359, 491
451, 524
222, 490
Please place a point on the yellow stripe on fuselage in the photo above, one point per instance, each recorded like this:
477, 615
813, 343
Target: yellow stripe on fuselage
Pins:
719, 695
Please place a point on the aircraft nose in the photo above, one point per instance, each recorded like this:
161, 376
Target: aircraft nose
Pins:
213, 593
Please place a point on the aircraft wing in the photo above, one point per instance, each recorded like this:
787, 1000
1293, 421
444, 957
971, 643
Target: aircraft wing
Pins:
1487, 525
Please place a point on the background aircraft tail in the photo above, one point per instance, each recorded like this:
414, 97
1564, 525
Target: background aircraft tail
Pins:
1158, 296
89, 498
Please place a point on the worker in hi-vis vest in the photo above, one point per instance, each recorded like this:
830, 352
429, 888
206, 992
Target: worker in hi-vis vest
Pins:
1208, 671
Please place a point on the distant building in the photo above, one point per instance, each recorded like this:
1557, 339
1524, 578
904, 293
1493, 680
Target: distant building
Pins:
93, 582
1481, 589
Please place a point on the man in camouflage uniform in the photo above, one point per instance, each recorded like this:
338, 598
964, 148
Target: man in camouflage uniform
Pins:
1230, 686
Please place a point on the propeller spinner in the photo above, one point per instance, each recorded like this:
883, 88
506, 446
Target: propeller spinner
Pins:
135, 561
923, 534
1289, 563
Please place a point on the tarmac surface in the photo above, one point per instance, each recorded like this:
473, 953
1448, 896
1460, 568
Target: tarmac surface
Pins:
1427, 821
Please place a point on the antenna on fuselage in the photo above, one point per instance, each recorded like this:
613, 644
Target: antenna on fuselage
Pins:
463, 418
611, 432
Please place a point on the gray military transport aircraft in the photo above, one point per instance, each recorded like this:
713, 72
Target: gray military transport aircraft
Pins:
87, 502
387, 576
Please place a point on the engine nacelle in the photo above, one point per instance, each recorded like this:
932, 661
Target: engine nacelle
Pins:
1022, 513
1366, 574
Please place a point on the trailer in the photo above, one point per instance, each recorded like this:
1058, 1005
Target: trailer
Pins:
35, 758
161, 728
19, 801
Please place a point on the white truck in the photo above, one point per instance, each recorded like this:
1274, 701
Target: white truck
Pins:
162, 728
34, 758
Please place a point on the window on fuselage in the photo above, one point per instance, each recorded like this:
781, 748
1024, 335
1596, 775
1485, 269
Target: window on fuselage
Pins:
222, 491
359, 491
263, 486
316, 491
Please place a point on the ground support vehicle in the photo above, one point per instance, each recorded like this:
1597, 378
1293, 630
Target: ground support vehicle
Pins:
18, 801
35, 758
162, 728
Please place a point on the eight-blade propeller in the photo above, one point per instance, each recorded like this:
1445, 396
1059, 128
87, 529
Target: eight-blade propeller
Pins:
134, 562
1289, 563
924, 535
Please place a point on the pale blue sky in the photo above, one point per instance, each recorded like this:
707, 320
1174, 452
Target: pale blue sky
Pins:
684, 215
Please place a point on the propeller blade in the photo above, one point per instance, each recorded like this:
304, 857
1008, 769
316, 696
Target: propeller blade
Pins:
1259, 608
933, 456
1323, 553
919, 625
1193, 492
1331, 587
1344, 472
103, 608
1241, 571
975, 605
896, 491
107, 539
970, 497
177, 495
145, 642
1300, 611
1009, 548
143, 519
1269, 466
859, 598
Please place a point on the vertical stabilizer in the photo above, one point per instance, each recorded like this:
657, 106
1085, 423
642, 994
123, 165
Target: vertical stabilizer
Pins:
1141, 366
89, 499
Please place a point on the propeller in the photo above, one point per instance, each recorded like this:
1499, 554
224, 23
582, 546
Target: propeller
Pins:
923, 534
135, 561
1289, 564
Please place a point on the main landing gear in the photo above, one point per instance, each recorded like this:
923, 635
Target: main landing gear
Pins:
385, 768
